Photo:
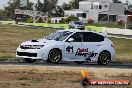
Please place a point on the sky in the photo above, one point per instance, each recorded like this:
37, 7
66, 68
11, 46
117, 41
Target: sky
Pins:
4, 2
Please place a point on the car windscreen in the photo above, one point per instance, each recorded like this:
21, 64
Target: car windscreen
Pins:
58, 36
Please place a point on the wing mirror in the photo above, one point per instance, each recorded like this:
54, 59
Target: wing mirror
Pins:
70, 40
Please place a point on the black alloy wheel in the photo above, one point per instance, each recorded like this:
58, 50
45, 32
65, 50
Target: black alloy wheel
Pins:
104, 58
54, 56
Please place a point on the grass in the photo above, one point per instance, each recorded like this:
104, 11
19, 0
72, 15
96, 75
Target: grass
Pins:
30, 79
48, 25
123, 46
24, 78
7, 22
93, 27
12, 36
39, 24
58, 77
109, 25
123, 49
97, 29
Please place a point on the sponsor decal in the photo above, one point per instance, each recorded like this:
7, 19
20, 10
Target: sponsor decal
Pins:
93, 54
85, 52
82, 52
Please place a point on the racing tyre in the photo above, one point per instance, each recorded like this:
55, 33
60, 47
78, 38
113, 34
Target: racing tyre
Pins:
104, 58
29, 60
54, 56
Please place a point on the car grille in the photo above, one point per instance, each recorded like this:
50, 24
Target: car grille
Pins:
27, 54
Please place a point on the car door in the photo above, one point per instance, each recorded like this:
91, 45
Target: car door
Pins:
92, 41
71, 48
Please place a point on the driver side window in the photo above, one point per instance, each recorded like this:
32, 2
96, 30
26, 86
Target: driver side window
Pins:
77, 37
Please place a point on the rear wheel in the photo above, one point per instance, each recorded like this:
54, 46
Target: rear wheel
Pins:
104, 58
29, 60
54, 56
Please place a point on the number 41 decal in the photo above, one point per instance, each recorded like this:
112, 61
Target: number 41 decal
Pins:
69, 49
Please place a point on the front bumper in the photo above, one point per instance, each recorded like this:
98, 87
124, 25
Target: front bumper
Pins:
29, 53
26, 54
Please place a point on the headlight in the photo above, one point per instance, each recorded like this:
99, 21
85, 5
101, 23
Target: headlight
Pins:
36, 46
31, 46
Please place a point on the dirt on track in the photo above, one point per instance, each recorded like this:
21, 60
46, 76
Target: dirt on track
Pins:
31, 76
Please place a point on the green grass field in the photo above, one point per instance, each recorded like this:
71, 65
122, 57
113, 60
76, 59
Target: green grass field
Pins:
39, 24
123, 49
92, 27
12, 36
96, 27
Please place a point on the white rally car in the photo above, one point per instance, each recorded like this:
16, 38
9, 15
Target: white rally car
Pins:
68, 45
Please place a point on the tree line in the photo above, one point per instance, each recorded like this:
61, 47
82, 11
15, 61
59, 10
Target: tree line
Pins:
46, 6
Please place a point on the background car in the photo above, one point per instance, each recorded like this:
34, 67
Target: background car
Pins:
68, 45
76, 25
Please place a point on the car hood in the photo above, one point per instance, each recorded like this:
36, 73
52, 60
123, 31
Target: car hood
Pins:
38, 42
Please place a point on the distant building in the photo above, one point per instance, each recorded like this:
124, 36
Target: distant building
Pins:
56, 19
129, 19
98, 10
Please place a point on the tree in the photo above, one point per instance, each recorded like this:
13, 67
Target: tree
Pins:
128, 6
74, 4
58, 11
71, 18
47, 6
15, 4
2, 14
66, 6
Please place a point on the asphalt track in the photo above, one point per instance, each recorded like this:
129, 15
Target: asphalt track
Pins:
122, 65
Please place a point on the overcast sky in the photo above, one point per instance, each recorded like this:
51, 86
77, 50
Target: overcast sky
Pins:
4, 2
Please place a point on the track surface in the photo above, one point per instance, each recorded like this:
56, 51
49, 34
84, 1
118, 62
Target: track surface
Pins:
69, 64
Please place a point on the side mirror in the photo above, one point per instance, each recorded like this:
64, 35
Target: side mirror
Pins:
70, 40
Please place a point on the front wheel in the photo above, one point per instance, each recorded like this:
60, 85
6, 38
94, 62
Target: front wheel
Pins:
54, 56
104, 58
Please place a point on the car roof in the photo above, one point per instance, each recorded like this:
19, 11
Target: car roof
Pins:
78, 30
